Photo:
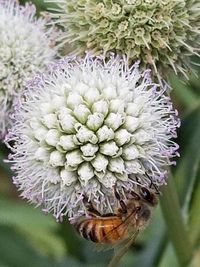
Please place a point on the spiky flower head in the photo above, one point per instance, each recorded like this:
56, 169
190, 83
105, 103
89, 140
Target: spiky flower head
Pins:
87, 126
25, 47
163, 34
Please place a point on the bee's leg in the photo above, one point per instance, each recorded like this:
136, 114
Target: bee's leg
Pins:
90, 208
108, 215
94, 213
122, 204
137, 179
91, 211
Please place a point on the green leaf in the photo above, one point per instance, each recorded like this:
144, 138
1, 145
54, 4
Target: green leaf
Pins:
187, 166
183, 91
41, 230
169, 258
18, 214
196, 259
194, 214
15, 251
73, 244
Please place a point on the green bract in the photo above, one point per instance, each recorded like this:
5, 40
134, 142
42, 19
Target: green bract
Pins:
161, 33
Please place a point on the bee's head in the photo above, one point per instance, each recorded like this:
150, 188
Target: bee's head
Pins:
148, 196
144, 213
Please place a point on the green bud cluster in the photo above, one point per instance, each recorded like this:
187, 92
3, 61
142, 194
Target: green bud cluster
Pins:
161, 33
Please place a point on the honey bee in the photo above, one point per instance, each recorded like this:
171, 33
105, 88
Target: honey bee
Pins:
132, 216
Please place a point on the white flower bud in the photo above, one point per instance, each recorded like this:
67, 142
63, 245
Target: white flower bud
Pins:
67, 143
142, 151
65, 87
85, 172
117, 106
124, 90
42, 154
57, 159
58, 101
99, 174
74, 99
132, 109
40, 133
100, 163
116, 165
81, 88
122, 136
130, 152
52, 137
46, 108
133, 166
89, 150
85, 135
67, 122
64, 111
141, 137
108, 180
145, 119
95, 121
110, 92
50, 120
35, 123
100, 106
122, 177
109, 149
105, 134
141, 100
73, 158
68, 177
114, 120
81, 112
131, 123
54, 178
91, 96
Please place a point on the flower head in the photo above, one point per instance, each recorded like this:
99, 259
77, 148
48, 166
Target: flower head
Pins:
86, 126
25, 47
163, 34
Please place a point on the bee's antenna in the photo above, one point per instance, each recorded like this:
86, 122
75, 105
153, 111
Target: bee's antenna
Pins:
121, 202
152, 184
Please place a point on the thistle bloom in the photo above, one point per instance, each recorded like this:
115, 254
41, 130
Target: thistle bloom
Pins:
86, 126
25, 47
163, 34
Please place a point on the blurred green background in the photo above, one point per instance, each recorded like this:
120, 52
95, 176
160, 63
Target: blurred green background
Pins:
29, 238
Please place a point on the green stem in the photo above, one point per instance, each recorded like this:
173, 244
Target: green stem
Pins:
175, 223
119, 254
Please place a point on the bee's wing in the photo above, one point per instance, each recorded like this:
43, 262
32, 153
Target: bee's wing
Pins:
130, 232
104, 245
120, 250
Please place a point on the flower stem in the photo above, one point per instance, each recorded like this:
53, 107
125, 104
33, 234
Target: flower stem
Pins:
175, 223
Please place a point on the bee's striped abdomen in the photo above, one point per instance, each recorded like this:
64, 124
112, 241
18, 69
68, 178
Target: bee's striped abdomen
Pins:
101, 230
87, 230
